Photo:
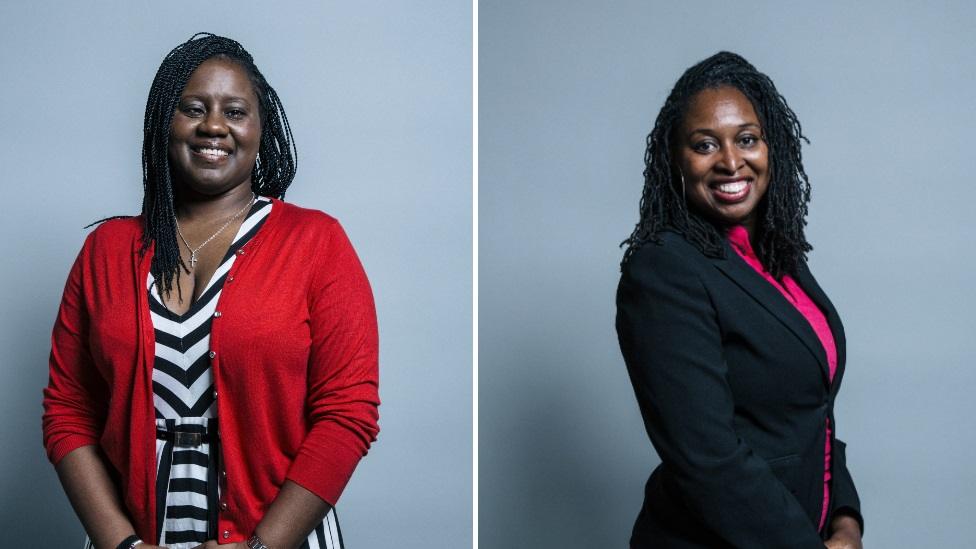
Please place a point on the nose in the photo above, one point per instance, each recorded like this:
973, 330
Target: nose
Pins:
731, 159
213, 123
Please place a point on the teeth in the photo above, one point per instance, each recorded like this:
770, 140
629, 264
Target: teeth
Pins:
214, 152
733, 188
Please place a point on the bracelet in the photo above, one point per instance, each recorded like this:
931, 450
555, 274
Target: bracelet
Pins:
129, 542
255, 543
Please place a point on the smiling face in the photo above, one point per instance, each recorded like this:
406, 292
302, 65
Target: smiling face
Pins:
216, 130
722, 156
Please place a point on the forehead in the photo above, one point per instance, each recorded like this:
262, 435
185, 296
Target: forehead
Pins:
719, 107
219, 77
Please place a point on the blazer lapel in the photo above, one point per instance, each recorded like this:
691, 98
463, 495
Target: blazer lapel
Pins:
809, 284
773, 301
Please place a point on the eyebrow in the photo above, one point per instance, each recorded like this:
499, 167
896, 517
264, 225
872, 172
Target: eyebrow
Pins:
708, 130
228, 98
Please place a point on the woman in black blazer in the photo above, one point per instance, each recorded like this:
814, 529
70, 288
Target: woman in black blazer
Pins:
735, 384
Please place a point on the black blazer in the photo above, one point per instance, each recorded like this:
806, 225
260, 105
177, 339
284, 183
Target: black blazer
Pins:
732, 383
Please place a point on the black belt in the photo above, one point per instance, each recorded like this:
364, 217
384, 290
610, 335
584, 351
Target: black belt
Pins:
185, 438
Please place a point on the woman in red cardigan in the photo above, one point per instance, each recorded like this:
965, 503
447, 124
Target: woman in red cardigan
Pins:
213, 371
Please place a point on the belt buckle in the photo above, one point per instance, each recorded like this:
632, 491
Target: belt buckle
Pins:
183, 438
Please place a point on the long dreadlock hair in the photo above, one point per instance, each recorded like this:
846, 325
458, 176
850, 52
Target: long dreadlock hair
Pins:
273, 171
782, 245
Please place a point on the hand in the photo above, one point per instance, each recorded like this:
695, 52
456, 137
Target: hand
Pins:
839, 541
846, 534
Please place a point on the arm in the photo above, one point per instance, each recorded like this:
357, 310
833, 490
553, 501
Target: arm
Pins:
342, 395
94, 497
847, 526
672, 345
288, 521
844, 500
74, 414
294, 513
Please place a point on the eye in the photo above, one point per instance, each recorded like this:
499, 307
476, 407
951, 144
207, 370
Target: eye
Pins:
236, 114
192, 111
704, 147
748, 141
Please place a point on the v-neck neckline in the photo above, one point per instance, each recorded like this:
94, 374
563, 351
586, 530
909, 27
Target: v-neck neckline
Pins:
244, 235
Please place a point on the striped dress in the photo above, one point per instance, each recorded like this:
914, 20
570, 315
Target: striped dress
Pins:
189, 475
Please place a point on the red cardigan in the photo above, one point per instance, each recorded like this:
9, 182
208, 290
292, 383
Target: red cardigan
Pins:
294, 357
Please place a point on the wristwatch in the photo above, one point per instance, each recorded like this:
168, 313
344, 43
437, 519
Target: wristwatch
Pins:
129, 542
255, 543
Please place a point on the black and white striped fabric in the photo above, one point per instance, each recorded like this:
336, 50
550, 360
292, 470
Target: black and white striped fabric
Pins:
188, 479
187, 483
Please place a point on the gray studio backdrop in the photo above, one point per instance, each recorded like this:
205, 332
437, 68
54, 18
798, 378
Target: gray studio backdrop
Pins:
379, 99
568, 91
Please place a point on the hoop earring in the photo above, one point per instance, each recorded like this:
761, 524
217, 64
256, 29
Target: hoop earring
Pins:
684, 196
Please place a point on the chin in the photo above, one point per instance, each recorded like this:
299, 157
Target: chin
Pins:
737, 216
208, 181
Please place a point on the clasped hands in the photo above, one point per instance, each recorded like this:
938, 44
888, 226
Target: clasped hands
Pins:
208, 545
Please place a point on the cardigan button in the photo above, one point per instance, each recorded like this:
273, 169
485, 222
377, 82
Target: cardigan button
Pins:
230, 279
223, 505
213, 354
216, 314
226, 534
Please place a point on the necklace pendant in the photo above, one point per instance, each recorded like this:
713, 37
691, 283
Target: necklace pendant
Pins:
193, 260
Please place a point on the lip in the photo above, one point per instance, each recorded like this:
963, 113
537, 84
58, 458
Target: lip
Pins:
197, 151
728, 196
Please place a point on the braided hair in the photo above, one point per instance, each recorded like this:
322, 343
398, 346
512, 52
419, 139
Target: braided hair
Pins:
273, 171
782, 245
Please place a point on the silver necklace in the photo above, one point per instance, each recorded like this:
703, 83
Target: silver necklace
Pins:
193, 251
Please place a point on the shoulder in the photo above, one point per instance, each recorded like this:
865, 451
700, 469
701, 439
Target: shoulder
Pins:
668, 275
115, 236
672, 254
312, 229
294, 217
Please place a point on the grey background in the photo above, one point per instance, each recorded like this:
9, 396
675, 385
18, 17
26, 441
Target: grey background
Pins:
379, 98
568, 91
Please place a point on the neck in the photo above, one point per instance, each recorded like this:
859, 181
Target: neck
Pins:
192, 206
750, 225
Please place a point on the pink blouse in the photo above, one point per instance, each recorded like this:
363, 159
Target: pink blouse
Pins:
739, 238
